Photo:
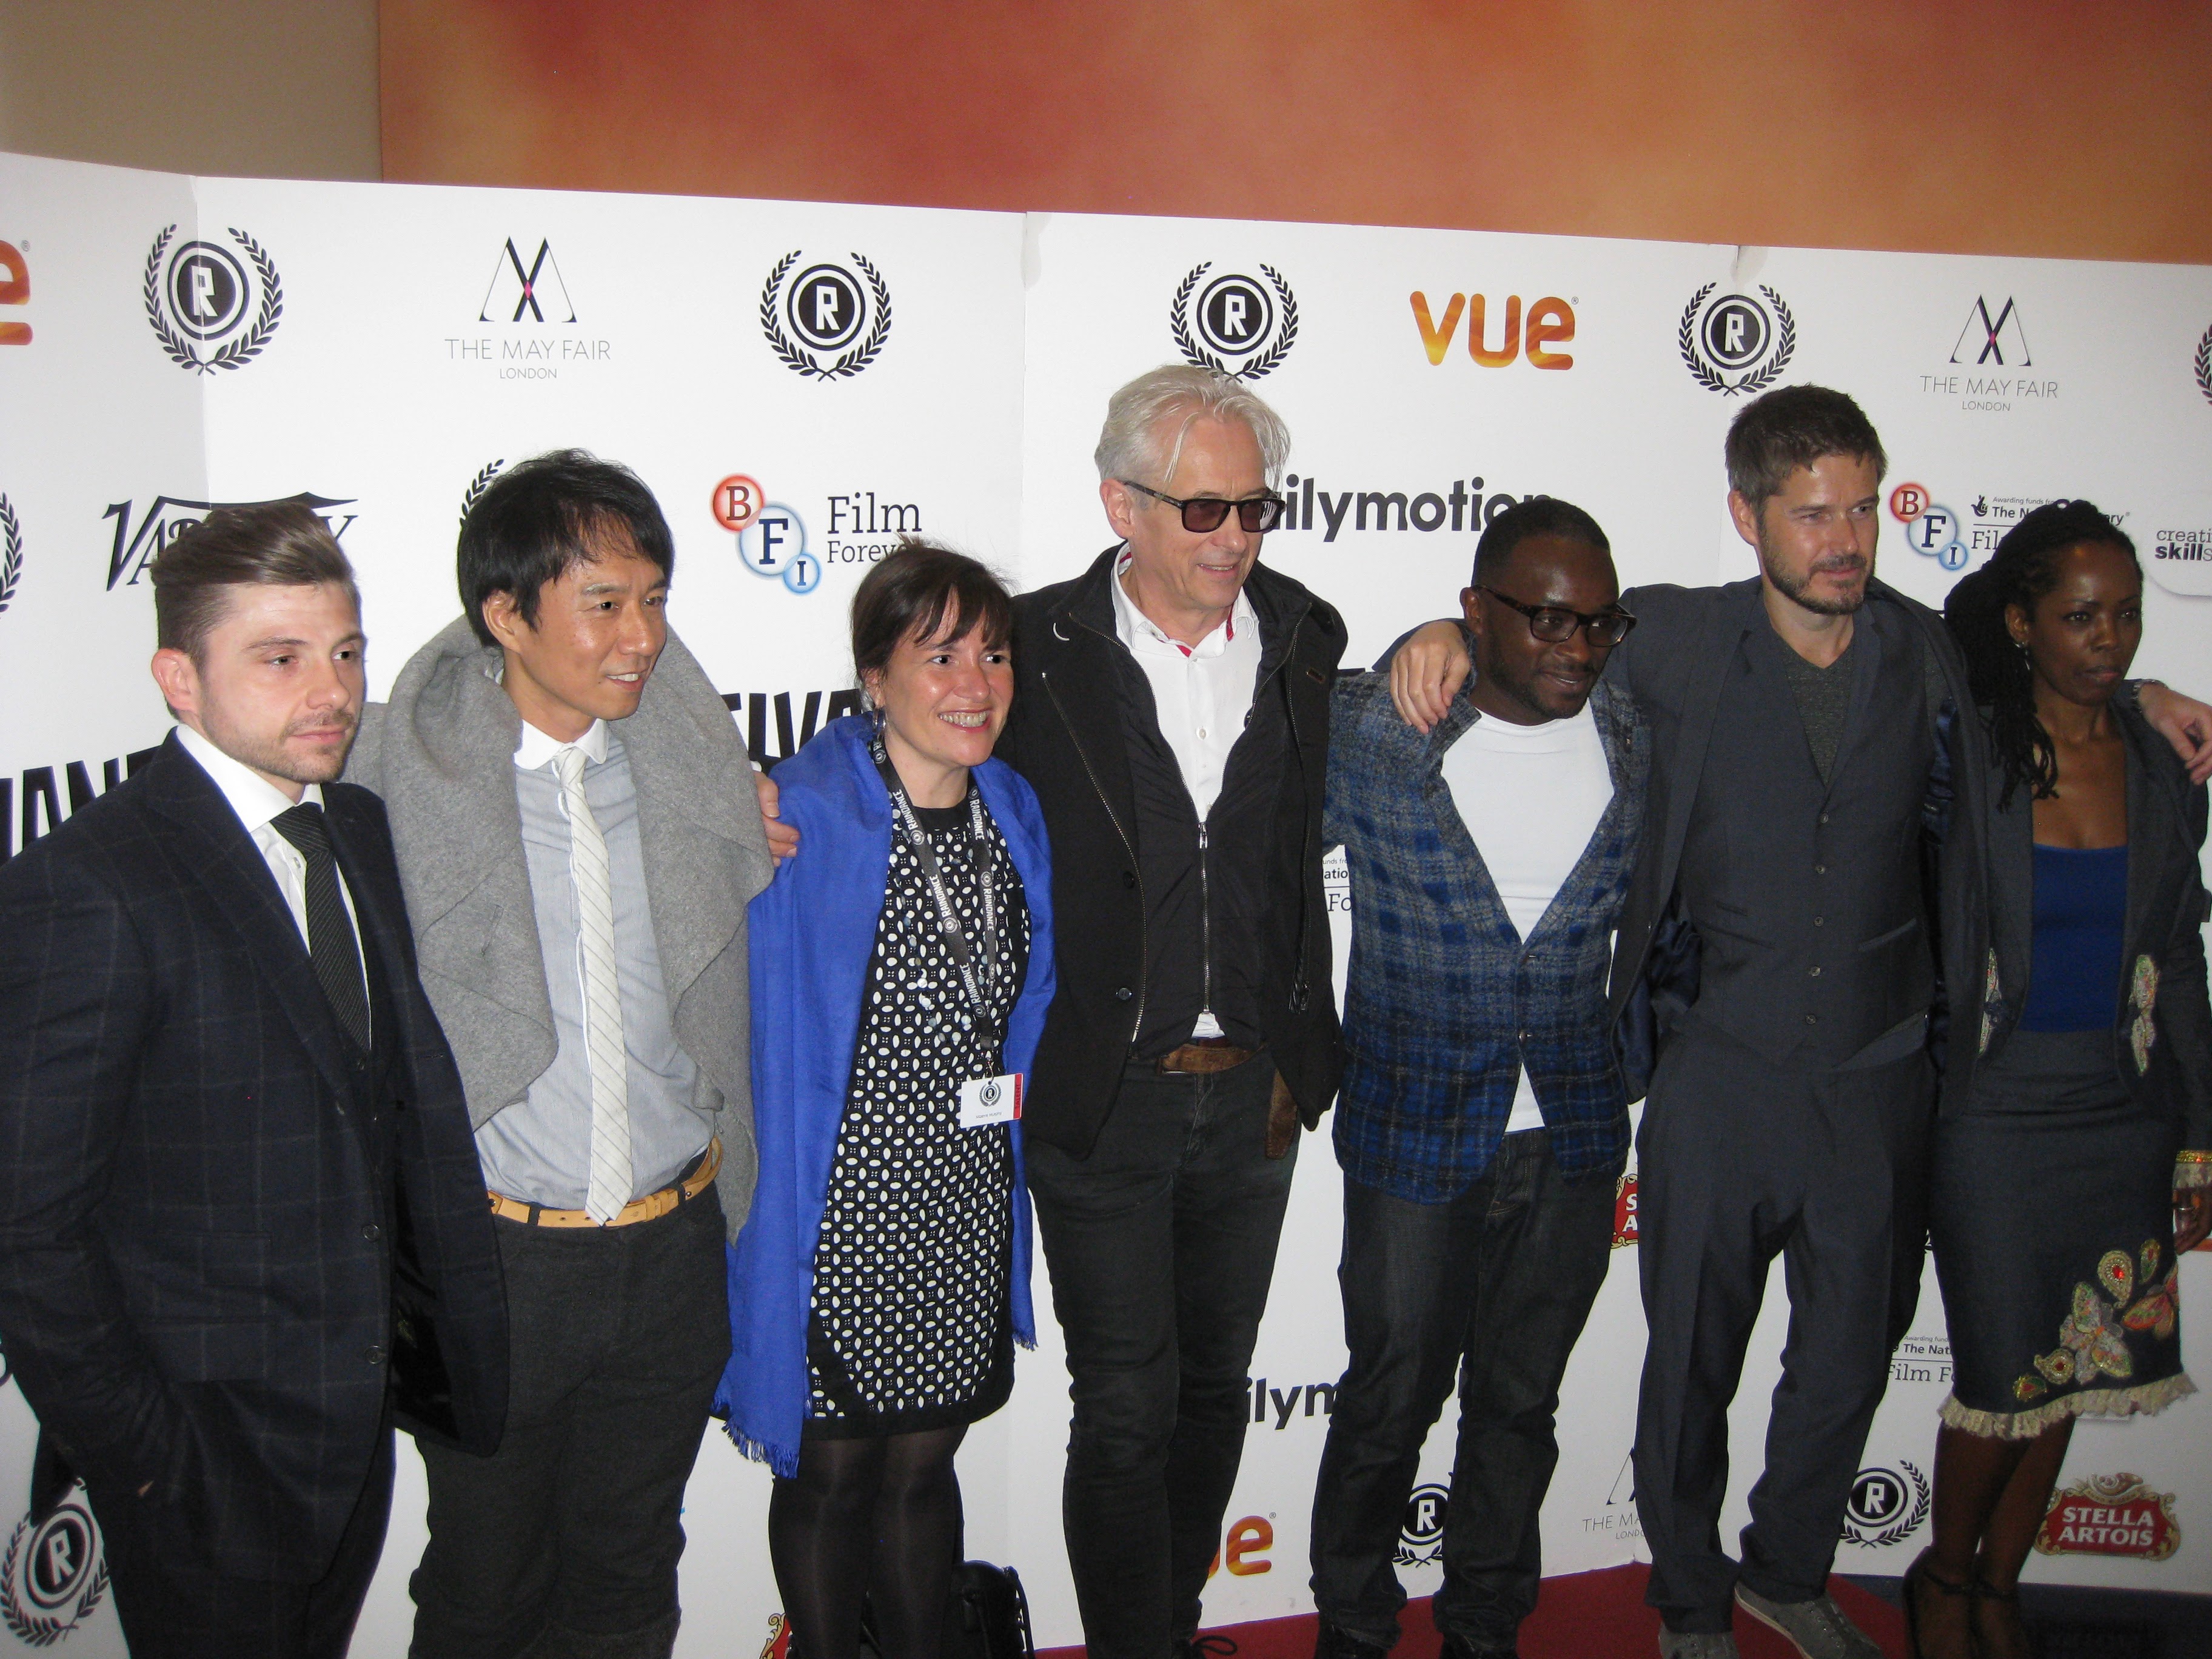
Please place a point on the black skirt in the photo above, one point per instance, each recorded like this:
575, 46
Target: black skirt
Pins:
2052, 1221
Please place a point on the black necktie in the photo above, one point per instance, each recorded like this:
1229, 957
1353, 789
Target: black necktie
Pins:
331, 942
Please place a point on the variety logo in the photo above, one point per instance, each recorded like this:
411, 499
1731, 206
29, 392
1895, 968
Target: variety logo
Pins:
1735, 343
42, 799
1986, 339
2110, 1514
1462, 508
477, 485
1934, 531
1235, 325
135, 546
1421, 1537
528, 296
1888, 1504
754, 709
53, 1575
534, 288
11, 551
209, 306
1624, 1211
827, 321
14, 290
2203, 364
1551, 323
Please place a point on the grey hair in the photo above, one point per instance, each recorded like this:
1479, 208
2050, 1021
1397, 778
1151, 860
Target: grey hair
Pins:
1136, 442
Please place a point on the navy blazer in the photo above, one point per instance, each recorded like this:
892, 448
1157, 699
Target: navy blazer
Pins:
2162, 1026
196, 1249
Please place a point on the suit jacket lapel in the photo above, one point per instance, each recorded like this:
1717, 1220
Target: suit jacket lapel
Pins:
225, 861
1083, 683
1701, 699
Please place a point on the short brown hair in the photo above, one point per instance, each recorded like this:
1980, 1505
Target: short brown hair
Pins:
917, 588
1794, 427
277, 544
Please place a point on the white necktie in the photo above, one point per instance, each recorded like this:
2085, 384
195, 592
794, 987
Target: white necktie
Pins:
609, 1186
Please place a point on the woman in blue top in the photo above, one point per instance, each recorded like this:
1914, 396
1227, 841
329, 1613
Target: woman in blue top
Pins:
2077, 1117
902, 964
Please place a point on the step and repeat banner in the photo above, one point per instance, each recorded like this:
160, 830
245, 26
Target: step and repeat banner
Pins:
801, 383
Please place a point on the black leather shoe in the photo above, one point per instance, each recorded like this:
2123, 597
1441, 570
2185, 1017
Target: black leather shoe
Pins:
1334, 1642
1456, 1649
1204, 1647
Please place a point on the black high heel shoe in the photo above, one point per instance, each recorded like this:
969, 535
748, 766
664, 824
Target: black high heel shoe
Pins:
1915, 1575
2008, 1601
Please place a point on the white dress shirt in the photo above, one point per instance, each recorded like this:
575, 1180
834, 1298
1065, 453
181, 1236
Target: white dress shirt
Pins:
1531, 797
257, 801
1203, 692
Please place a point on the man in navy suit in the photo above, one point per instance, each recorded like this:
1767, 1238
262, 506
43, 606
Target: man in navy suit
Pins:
242, 1226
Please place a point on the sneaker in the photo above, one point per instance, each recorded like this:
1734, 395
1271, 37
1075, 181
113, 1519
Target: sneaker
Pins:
1335, 1642
1816, 1628
1696, 1643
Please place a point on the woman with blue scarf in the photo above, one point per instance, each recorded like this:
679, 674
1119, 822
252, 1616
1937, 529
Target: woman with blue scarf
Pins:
902, 965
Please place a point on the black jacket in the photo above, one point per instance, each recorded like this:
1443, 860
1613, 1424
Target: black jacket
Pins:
2162, 1029
1065, 736
196, 1232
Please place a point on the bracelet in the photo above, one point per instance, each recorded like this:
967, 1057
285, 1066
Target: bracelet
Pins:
2193, 1168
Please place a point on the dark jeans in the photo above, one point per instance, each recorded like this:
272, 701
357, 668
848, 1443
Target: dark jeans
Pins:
616, 1337
171, 1608
1161, 1245
1494, 1285
1742, 1160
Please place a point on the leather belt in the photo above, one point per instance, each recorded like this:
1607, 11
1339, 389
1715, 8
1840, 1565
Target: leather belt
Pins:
651, 1207
1202, 1055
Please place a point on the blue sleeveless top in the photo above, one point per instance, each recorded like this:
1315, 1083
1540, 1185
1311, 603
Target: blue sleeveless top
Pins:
2081, 912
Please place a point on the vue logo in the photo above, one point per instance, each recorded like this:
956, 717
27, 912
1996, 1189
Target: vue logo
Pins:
1550, 322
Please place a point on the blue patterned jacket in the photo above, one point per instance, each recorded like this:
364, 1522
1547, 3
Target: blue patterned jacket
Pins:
1445, 1000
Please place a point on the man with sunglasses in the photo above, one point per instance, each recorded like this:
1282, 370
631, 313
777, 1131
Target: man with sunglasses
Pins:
1484, 1123
1173, 719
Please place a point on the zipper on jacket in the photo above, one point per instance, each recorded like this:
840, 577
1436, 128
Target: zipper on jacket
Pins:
1144, 985
1205, 923
1299, 995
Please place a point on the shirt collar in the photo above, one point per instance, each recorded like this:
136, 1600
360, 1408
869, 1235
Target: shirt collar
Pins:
1133, 625
252, 797
537, 748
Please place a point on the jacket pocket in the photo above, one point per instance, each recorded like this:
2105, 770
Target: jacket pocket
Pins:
1911, 924
219, 1351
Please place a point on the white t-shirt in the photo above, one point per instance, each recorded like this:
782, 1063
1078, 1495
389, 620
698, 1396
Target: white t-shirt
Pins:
1531, 797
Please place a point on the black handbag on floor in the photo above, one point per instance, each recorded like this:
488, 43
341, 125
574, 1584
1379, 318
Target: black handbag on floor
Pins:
988, 1616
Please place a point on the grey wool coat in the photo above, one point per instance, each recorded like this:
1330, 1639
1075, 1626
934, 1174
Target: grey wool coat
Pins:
441, 754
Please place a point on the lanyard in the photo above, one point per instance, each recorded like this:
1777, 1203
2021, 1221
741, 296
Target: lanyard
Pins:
977, 986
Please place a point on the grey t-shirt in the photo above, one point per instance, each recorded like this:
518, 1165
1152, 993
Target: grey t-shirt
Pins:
1824, 703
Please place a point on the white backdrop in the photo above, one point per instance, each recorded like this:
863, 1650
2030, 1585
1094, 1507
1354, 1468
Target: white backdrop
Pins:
870, 369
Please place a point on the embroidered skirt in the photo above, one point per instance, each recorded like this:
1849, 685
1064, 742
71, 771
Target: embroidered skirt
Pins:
2051, 1216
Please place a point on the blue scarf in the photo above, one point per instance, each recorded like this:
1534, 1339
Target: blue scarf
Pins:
812, 934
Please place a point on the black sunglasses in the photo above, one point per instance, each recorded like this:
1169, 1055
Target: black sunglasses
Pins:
1203, 515
1553, 624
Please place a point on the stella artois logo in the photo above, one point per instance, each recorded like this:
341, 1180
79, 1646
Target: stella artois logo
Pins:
2110, 1514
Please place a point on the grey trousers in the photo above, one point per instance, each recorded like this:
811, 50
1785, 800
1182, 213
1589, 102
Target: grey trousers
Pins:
1739, 1160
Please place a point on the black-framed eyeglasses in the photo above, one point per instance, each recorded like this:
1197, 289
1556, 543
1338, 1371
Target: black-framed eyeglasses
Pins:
1203, 515
1553, 624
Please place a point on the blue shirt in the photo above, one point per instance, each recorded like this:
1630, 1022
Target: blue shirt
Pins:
2080, 913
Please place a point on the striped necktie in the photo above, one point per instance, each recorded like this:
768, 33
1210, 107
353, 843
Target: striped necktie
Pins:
332, 946
609, 1186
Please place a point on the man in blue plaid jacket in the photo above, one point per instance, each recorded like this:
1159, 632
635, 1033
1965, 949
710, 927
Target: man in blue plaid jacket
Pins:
1484, 1118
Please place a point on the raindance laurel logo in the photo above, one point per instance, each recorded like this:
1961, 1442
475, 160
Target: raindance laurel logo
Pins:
1888, 1505
827, 306
1736, 335
1421, 1539
203, 296
2205, 365
477, 485
53, 1575
11, 572
1234, 325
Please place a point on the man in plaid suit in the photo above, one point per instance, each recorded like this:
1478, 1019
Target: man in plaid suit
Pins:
1484, 1118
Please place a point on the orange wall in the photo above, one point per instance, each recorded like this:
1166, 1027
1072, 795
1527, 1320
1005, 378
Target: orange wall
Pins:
2064, 127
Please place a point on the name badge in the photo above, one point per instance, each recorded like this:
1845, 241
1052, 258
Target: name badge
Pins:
986, 1100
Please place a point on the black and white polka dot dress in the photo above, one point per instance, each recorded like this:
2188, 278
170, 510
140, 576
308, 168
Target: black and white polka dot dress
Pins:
910, 1327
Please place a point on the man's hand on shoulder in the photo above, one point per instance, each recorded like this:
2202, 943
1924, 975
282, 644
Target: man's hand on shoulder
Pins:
2182, 721
1427, 673
782, 838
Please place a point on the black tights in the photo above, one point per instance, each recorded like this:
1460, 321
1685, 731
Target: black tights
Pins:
879, 1516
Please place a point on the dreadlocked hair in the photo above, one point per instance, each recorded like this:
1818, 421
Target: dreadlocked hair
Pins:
2024, 568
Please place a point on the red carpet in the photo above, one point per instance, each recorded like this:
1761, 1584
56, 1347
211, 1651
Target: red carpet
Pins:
1584, 1615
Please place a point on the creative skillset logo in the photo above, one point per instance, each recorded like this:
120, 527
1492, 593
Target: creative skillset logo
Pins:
1235, 325
826, 320
210, 305
1736, 342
